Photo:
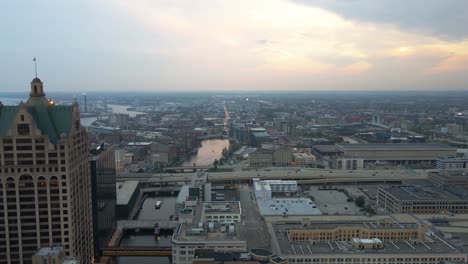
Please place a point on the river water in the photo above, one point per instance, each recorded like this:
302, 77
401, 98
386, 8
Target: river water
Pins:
115, 109
147, 239
209, 151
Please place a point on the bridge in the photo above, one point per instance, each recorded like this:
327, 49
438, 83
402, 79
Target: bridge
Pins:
301, 175
140, 251
146, 224
183, 168
160, 189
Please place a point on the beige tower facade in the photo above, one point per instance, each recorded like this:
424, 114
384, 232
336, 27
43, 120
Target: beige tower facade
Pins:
45, 183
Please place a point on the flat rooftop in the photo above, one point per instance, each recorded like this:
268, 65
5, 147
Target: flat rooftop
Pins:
433, 245
427, 193
125, 191
49, 251
287, 207
327, 149
222, 207
387, 147
371, 225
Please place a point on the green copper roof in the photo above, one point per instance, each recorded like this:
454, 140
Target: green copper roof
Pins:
52, 120
7, 114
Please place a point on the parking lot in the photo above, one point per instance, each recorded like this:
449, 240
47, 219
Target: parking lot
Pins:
332, 201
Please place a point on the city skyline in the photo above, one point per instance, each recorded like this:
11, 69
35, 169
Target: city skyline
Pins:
242, 45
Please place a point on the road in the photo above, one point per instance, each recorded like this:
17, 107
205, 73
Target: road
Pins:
307, 175
254, 229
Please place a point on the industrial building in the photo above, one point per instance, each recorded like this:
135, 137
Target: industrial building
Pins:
409, 199
378, 242
405, 154
264, 189
452, 177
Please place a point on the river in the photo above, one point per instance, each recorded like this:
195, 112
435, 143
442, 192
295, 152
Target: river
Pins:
209, 151
147, 239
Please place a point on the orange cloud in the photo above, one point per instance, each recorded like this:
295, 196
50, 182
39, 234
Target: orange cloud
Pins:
450, 64
356, 68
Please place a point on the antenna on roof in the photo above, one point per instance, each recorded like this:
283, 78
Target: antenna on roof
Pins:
35, 66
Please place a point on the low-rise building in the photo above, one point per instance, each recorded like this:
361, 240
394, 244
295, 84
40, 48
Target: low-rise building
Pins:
222, 212
409, 199
287, 207
264, 189
347, 163
282, 186
261, 158
303, 159
452, 177
282, 157
405, 154
196, 234
451, 163
382, 242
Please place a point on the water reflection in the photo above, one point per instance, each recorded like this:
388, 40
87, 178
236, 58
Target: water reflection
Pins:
209, 151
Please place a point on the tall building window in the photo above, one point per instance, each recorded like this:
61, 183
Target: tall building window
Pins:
23, 129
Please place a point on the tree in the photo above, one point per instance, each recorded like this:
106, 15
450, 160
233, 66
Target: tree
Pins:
215, 163
360, 201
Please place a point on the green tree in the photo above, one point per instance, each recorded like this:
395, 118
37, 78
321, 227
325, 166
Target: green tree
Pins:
360, 201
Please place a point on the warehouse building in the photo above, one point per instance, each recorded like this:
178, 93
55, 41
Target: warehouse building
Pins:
404, 154
409, 199
377, 242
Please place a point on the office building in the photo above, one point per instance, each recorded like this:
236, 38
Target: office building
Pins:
103, 174
128, 193
195, 234
222, 212
451, 163
409, 199
45, 183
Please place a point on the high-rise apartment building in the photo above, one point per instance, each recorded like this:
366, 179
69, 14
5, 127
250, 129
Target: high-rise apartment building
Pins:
45, 183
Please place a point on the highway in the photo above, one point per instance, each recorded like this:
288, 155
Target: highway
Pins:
309, 176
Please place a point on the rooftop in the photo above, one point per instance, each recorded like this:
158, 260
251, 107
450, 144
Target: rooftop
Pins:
383, 147
433, 245
49, 251
429, 192
222, 207
287, 207
125, 191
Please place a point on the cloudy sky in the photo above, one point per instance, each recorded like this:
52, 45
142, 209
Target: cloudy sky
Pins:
170, 45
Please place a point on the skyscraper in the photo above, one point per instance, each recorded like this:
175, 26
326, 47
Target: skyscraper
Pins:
45, 183
103, 177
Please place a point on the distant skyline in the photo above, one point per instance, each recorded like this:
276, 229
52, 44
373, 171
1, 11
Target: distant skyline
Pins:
203, 45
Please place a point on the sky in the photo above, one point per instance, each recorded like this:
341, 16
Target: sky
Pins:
234, 45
